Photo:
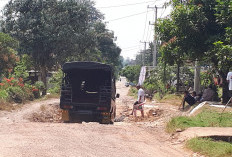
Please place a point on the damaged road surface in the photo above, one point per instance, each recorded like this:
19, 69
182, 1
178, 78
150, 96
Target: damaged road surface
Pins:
90, 139
24, 135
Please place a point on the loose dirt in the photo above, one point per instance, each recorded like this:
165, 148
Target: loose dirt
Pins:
37, 130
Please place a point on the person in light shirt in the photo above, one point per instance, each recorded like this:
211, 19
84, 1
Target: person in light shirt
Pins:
141, 98
229, 79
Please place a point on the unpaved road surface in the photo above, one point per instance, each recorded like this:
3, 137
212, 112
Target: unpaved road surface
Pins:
21, 136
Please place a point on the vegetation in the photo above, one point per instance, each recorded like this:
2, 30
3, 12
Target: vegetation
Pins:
198, 31
173, 99
8, 53
165, 83
41, 36
55, 82
131, 73
53, 32
211, 148
206, 118
15, 90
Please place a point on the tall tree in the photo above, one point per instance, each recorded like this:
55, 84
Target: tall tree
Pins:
8, 53
197, 27
51, 30
110, 52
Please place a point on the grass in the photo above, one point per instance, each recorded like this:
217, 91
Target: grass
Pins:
207, 118
172, 99
48, 96
52, 96
8, 106
133, 92
209, 147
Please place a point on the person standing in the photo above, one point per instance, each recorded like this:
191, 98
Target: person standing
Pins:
229, 79
141, 99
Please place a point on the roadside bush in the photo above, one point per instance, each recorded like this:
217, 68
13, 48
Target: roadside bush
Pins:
3, 94
16, 94
131, 73
54, 90
13, 89
37, 88
133, 92
55, 82
39, 85
20, 70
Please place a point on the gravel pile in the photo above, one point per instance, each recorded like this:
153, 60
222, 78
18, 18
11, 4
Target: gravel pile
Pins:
47, 113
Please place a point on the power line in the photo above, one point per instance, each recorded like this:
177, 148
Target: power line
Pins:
145, 25
162, 13
127, 16
165, 7
131, 47
124, 5
149, 31
132, 50
155, 2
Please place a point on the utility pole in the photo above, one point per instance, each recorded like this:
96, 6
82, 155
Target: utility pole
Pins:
197, 83
155, 36
145, 49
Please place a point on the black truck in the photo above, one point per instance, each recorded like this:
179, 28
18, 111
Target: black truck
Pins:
88, 92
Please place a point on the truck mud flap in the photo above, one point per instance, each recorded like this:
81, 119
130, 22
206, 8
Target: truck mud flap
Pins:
65, 116
106, 118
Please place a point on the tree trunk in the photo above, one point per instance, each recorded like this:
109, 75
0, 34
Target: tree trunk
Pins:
178, 77
43, 78
164, 78
225, 89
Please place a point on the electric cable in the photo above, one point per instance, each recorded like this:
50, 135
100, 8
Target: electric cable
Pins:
127, 16
145, 27
124, 5
131, 47
155, 2
150, 32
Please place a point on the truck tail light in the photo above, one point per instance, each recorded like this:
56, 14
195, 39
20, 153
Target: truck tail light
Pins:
67, 107
102, 108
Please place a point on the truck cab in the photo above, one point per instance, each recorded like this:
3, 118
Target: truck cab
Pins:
88, 92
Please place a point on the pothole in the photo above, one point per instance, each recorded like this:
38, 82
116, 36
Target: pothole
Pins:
120, 119
220, 138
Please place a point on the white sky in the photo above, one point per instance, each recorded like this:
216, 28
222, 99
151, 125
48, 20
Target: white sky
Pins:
130, 30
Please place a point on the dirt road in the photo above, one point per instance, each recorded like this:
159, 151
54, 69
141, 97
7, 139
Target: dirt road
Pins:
21, 137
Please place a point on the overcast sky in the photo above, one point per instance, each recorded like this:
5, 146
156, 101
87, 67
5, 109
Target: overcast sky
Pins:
128, 29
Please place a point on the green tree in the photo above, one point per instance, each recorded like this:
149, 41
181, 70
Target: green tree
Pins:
22, 67
109, 51
131, 73
51, 30
221, 53
145, 56
8, 53
198, 27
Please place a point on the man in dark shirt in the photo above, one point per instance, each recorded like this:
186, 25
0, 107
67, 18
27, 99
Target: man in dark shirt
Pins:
189, 99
